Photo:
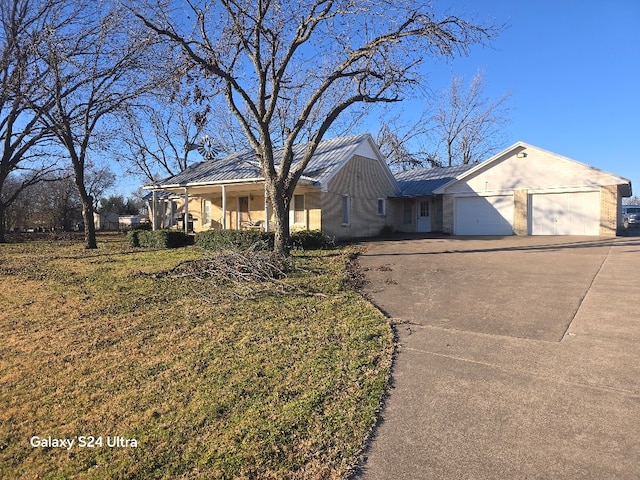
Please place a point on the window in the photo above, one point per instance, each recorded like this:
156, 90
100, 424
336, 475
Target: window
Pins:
346, 210
382, 207
407, 211
298, 210
206, 212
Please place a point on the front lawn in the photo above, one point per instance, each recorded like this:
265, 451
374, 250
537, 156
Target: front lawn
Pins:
208, 380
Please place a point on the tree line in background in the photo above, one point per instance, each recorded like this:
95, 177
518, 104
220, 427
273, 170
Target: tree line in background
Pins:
147, 83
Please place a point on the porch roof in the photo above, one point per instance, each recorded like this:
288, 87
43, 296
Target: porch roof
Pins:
242, 167
421, 182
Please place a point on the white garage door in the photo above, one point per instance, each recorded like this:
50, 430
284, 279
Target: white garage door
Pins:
565, 213
484, 215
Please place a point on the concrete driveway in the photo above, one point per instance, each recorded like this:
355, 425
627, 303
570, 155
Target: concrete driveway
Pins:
518, 357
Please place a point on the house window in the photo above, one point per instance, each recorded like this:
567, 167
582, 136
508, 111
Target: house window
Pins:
382, 207
407, 211
298, 210
346, 210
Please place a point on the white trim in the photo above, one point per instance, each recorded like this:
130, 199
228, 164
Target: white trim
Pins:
186, 210
224, 207
304, 209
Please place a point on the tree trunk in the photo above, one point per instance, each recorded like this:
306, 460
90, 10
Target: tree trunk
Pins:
282, 234
87, 214
89, 225
2, 211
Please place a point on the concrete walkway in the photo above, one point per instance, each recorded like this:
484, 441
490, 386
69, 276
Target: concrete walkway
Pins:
518, 358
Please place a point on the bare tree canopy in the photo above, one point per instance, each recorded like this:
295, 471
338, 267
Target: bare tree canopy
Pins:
175, 127
98, 66
467, 124
406, 148
460, 125
21, 77
289, 68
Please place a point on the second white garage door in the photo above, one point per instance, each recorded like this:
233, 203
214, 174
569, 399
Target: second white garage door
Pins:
484, 215
576, 213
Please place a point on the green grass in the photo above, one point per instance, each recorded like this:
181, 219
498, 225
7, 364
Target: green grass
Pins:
212, 381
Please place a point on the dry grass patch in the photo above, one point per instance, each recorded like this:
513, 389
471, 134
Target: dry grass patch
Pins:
212, 380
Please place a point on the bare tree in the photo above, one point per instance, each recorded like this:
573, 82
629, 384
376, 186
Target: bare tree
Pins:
21, 75
467, 125
288, 69
176, 126
97, 67
406, 148
53, 202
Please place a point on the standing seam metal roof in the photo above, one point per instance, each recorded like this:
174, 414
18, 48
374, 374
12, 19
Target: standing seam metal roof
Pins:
244, 166
423, 181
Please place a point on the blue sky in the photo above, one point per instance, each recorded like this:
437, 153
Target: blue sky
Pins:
573, 68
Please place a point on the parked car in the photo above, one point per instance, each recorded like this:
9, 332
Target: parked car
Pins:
631, 216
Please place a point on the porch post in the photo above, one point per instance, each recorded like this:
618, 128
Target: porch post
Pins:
186, 210
154, 210
266, 208
224, 207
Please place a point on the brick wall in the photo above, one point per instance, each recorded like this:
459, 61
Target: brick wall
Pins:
610, 210
447, 213
520, 212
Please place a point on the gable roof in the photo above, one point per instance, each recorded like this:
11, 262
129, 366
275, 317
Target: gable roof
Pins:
422, 182
515, 149
241, 167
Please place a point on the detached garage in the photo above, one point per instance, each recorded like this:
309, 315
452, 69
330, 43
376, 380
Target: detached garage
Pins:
526, 190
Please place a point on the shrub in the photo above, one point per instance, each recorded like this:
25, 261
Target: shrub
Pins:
235, 240
132, 238
157, 239
308, 240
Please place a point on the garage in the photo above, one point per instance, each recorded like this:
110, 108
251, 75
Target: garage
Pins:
575, 213
490, 215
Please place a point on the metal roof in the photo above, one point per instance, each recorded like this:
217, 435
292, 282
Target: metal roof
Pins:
422, 182
330, 154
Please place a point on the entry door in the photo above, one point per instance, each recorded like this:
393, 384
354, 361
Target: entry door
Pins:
243, 211
424, 216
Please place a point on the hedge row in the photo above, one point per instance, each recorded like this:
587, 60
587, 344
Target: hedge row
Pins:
250, 239
158, 239
225, 239
235, 240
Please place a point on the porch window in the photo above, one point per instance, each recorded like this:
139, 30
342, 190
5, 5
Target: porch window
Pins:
382, 207
298, 210
346, 210
206, 212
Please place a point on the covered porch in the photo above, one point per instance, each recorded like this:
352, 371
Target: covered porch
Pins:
228, 206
